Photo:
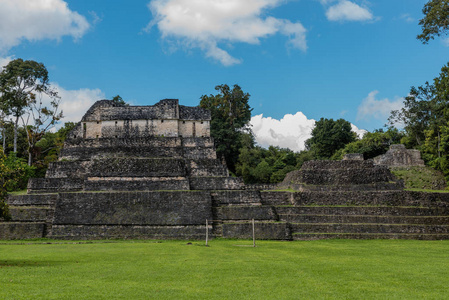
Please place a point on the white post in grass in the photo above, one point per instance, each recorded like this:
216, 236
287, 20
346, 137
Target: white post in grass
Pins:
207, 231
254, 236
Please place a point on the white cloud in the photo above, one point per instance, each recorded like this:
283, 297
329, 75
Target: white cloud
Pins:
346, 10
205, 24
407, 18
36, 20
290, 132
4, 61
377, 109
75, 103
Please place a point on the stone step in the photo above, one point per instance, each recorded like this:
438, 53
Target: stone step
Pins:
216, 183
238, 197
246, 213
367, 236
365, 219
29, 214
74, 232
263, 230
276, 198
119, 166
21, 231
206, 167
363, 210
54, 185
372, 198
135, 183
368, 228
32, 199
158, 208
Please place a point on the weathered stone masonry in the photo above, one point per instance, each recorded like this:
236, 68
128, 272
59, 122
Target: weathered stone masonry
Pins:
152, 172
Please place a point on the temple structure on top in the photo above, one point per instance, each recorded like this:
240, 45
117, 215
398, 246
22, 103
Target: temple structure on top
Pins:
152, 172
107, 119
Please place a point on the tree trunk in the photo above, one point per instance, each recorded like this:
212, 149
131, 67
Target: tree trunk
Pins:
4, 138
16, 128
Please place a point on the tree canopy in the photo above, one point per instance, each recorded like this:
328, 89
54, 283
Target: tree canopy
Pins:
231, 113
328, 136
435, 21
22, 87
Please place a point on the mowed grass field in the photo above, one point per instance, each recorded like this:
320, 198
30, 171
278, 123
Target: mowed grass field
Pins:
227, 269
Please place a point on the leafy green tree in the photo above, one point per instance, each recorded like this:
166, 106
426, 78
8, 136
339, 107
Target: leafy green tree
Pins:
119, 100
20, 82
372, 144
435, 21
4, 171
420, 111
328, 136
231, 114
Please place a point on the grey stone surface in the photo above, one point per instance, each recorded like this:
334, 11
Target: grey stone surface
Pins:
398, 155
263, 230
133, 208
21, 231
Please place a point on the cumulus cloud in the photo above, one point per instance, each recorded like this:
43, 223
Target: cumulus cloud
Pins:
289, 132
205, 24
346, 10
74, 103
377, 109
4, 61
36, 20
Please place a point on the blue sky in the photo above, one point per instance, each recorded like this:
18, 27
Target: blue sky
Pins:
300, 60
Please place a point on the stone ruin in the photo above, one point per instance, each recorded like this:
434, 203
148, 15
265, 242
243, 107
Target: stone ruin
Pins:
151, 172
399, 156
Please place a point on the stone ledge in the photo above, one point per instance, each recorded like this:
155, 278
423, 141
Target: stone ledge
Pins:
133, 208
263, 231
90, 232
246, 213
21, 231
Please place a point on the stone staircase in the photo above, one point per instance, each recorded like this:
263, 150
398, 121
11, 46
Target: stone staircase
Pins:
390, 215
31, 216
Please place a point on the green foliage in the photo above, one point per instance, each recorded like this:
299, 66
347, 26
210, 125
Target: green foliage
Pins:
259, 165
18, 173
4, 172
328, 136
424, 116
231, 114
119, 100
423, 178
435, 21
372, 144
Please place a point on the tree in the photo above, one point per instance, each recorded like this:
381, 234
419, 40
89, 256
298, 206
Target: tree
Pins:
119, 100
39, 119
20, 82
435, 21
230, 114
418, 113
328, 136
372, 144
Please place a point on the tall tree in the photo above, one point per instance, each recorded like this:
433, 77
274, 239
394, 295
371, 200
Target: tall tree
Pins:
231, 114
328, 136
417, 114
38, 119
20, 81
435, 21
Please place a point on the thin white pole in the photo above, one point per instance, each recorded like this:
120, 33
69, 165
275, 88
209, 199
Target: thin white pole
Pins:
254, 236
207, 231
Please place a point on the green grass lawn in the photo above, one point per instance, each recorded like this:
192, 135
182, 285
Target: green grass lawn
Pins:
331, 269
